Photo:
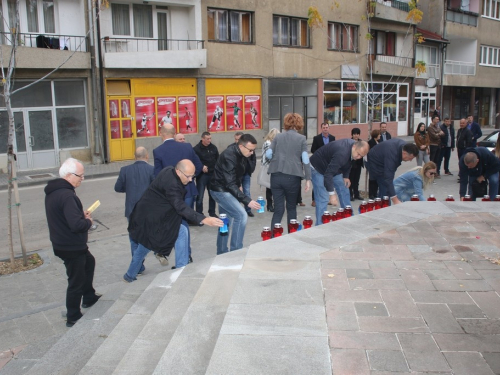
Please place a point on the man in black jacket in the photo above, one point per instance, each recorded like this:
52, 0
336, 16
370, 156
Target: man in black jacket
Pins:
447, 146
384, 160
68, 230
155, 222
384, 134
225, 189
464, 138
251, 163
319, 141
480, 164
208, 154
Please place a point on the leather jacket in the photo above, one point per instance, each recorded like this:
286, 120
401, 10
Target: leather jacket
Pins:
229, 172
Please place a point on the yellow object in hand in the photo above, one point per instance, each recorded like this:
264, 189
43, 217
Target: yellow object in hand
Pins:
92, 208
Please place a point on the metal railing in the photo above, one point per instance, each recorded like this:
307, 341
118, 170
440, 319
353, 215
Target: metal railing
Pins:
462, 68
150, 45
48, 41
396, 60
463, 17
395, 4
431, 71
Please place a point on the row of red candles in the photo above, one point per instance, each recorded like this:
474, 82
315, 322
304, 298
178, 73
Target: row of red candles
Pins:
341, 213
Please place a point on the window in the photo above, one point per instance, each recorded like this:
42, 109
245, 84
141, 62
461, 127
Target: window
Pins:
289, 31
491, 9
229, 26
33, 17
343, 37
32, 13
143, 21
383, 43
489, 56
120, 19
48, 16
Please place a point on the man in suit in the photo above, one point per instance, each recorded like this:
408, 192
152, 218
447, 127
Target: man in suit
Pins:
133, 180
168, 154
384, 134
319, 141
447, 146
475, 129
384, 160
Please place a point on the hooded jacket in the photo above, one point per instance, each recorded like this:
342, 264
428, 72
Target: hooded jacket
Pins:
488, 165
68, 227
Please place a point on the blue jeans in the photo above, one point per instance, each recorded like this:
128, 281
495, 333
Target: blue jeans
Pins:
190, 202
182, 247
245, 183
202, 183
237, 217
322, 197
138, 257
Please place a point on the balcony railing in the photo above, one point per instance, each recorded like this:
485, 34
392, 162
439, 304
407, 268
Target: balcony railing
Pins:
461, 16
459, 68
431, 71
396, 60
48, 41
150, 45
395, 4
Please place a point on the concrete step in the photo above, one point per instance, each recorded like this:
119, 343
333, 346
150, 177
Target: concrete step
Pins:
70, 353
191, 346
108, 355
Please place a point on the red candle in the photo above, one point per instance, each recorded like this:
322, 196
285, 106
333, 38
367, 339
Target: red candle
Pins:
308, 222
431, 198
363, 207
414, 198
326, 218
277, 230
450, 198
348, 211
334, 217
497, 198
378, 204
486, 198
385, 201
467, 198
371, 205
340, 213
266, 234
293, 226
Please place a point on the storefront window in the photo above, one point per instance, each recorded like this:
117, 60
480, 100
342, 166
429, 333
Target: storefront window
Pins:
402, 112
390, 107
332, 108
71, 127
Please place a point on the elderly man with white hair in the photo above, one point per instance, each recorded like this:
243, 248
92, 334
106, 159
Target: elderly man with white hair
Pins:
68, 228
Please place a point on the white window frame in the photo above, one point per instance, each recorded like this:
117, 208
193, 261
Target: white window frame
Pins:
23, 17
154, 24
489, 56
491, 9
289, 37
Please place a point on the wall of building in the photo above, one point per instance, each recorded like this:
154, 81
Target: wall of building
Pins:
70, 25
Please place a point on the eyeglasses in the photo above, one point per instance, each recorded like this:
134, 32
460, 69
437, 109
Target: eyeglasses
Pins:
433, 173
249, 149
78, 175
185, 175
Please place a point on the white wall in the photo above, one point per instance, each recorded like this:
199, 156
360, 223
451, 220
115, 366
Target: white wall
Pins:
462, 50
70, 17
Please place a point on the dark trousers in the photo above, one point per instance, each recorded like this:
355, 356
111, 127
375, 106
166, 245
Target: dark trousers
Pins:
269, 198
354, 176
202, 183
80, 271
372, 189
435, 154
445, 155
284, 187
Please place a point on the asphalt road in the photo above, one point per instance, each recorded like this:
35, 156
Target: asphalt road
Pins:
111, 220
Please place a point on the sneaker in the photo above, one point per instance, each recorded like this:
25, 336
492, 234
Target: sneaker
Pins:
437, 176
162, 259
448, 173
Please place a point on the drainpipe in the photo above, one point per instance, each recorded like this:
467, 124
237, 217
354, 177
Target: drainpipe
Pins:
443, 59
101, 84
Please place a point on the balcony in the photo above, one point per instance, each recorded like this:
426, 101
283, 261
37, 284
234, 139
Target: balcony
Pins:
49, 51
391, 65
461, 16
461, 68
431, 71
132, 53
389, 10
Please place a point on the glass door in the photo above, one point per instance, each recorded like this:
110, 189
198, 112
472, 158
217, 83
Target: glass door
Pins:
40, 139
162, 31
121, 132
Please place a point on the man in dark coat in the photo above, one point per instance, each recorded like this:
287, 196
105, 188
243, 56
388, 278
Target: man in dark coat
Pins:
319, 141
464, 138
134, 179
251, 163
330, 167
475, 130
356, 167
68, 229
208, 154
478, 164
225, 189
384, 160
168, 154
384, 134
155, 222
447, 146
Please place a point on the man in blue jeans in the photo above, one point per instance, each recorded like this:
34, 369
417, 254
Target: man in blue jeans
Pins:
330, 167
251, 163
225, 189
481, 165
155, 222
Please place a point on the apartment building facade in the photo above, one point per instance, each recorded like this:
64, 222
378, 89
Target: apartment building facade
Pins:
53, 118
471, 60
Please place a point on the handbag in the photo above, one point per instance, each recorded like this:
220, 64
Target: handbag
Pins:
479, 189
263, 178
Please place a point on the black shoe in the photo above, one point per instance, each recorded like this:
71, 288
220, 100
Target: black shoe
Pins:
270, 209
70, 323
358, 197
250, 213
88, 305
173, 267
213, 215
190, 259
